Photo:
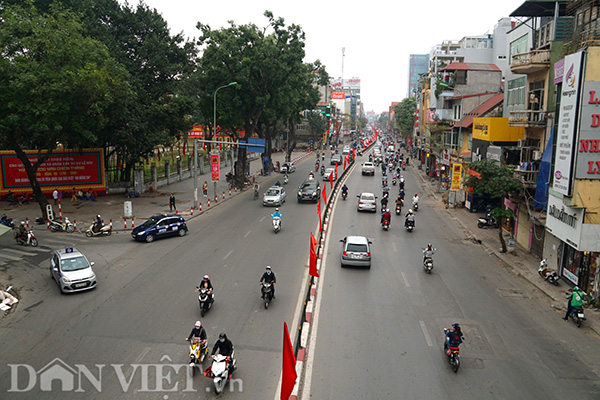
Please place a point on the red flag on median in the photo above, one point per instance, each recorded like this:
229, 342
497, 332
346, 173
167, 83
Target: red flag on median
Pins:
312, 263
319, 212
331, 179
325, 194
288, 374
345, 160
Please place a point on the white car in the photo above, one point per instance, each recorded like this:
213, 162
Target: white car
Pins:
274, 196
367, 202
368, 168
288, 167
329, 171
72, 271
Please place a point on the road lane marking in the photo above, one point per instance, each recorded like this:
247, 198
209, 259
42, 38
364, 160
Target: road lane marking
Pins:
141, 356
394, 247
246, 235
228, 254
262, 219
405, 279
426, 333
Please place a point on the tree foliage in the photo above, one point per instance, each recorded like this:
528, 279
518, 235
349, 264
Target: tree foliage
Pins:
405, 115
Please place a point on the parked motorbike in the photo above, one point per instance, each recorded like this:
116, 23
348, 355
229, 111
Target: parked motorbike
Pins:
28, 239
60, 226
267, 293
219, 371
453, 355
196, 352
103, 231
548, 273
205, 300
486, 221
276, 224
4, 220
577, 316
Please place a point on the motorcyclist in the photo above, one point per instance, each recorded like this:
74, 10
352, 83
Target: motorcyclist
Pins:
276, 214
206, 283
277, 183
322, 170
454, 337
399, 202
401, 193
575, 300
97, 224
344, 190
225, 348
22, 230
428, 252
285, 177
199, 332
384, 201
311, 175
386, 216
415, 200
384, 181
410, 217
401, 182
268, 277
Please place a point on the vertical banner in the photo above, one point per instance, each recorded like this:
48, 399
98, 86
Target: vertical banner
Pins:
288, 367
567, 124
456, 175
312, 266
214, 167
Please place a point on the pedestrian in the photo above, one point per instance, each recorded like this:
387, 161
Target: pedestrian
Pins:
205, 189
74, 195
172, 203
55, 196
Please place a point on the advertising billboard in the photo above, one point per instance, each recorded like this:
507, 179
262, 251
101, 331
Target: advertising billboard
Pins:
63, 170
588, 146
567, 124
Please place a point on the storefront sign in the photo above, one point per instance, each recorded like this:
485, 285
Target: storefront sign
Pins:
588, 145
214, 167
564, 222
456, 176
567, 124
64, 170
338, 95
559, 68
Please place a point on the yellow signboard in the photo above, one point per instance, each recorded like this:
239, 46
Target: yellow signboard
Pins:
456, 176
496, 130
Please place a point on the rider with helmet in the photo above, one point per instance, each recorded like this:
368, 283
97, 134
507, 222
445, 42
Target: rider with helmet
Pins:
454, 337
276, 214
22, 230
225, 348
97, 224
428, 252
386, 216
575, 300
207, 284
269, 277
197, 331
410, 217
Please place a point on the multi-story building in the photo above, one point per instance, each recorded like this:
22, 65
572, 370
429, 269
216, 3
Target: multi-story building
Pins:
418, 64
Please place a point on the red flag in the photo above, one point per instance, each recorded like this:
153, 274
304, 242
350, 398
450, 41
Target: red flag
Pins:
312, 264
319, 212
345, 159
325, 194
184, 148
288, 367
336, 170
330, 179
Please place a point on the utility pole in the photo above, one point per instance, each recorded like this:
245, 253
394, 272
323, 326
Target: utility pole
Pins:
343, 55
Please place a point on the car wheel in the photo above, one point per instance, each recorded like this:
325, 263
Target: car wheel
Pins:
149, 238
182, 232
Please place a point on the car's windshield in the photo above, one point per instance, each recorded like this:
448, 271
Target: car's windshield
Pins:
362, 248
308, 186
367, 197
272, 192
152, 221
73, 264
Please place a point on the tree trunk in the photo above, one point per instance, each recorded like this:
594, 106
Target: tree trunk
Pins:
35, 185
240, 168
291, 140
501, 237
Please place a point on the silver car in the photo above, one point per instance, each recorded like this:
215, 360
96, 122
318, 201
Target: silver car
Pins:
274, 196
368, 168
72, 271
288, 167
367, 202
329, 171
356, 251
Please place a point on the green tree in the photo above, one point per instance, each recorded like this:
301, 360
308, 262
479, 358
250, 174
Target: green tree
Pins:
405, 116
56, 85
317, 124
498, 182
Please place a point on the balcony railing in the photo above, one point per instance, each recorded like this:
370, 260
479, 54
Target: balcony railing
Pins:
529, 178
532, 61
528, 118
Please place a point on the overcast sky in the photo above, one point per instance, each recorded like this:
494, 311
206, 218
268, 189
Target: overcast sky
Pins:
377, 35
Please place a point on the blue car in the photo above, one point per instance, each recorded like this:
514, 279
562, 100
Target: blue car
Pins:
160, 226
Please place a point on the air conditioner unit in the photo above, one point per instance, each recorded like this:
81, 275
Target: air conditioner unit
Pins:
521, 143
536, 155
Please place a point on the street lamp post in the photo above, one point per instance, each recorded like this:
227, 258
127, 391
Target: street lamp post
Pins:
215, 117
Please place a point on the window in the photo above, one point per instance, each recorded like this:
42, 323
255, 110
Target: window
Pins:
516, 92
518, 46
461, 77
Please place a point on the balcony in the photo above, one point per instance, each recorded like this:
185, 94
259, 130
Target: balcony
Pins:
528, 118
532, 61
528, 177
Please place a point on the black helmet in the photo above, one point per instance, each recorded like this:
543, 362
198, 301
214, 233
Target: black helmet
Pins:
222, 335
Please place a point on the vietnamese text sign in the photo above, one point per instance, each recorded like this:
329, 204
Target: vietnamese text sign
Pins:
567, 124
456, 175
64, 169
214, 167
338, 95
588, 145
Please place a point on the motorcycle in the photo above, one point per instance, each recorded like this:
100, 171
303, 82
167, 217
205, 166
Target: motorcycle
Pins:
322, 170
29, 238
285, 180
415, 206
196, 352
548, 273
398, 209
4, 220
385, 224
205, 300
219, 371
344, 195
59, 226
453, 355
394, 181
276, 224
267, 293
103, 231
577, 316
255, 194
428, 264
410, 225
486, 221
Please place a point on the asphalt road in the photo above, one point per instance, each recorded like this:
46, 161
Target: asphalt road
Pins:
129, 332
379, 332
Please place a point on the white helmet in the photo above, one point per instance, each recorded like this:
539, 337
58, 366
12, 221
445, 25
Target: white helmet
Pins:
198, 324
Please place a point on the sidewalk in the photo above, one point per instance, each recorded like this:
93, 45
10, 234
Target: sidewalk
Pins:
111, 207
520, 262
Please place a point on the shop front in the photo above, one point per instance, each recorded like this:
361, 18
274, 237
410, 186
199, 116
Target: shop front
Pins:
578, 251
